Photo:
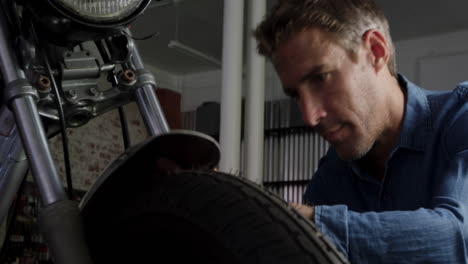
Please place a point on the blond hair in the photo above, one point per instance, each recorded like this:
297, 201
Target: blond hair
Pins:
347, 20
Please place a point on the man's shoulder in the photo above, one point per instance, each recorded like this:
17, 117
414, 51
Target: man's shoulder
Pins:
450, 111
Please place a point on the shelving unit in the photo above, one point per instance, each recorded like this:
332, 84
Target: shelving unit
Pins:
291, 157
292, 150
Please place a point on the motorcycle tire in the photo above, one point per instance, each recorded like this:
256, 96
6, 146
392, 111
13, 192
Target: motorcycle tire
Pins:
199, 217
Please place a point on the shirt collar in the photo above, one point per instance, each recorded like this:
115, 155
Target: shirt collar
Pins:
417, 120
416, 124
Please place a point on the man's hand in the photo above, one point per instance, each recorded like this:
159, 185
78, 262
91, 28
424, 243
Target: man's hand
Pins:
305, 210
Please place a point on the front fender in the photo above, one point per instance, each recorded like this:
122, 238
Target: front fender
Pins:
188, 149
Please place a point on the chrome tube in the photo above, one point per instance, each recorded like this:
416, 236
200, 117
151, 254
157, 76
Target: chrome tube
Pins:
147, 101
151, 111
37, 149
29, 123
8, 61
13, 170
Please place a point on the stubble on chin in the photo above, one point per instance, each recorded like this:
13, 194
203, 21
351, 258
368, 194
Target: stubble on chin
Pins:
352, 150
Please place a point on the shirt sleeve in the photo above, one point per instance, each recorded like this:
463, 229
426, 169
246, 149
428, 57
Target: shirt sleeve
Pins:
427, 235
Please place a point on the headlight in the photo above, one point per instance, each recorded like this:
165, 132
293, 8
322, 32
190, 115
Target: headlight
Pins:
100, 11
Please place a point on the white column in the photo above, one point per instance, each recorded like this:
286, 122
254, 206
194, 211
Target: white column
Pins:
255, 98
231, 92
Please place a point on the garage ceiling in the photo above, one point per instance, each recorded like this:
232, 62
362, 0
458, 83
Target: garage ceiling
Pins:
199, 23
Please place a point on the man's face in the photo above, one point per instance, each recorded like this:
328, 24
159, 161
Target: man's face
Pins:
338, 96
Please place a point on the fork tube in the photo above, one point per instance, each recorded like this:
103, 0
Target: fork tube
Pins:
151, 110
37, 149
13, 171
29, 123
60, 218
147, 101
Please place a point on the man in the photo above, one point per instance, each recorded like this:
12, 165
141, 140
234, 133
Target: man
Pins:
393, 187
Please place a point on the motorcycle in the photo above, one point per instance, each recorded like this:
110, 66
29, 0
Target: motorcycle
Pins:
161, 199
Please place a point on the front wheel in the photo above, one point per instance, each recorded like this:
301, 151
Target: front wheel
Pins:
200, 217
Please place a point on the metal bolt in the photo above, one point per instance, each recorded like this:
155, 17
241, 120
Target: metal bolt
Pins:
43, 83
71, 94
128, 76
93, 91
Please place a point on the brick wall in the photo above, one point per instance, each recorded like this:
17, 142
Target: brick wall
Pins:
93, 146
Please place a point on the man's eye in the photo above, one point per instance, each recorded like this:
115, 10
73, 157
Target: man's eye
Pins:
320, 77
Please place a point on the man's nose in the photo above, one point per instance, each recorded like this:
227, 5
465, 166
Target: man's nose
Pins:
311, 107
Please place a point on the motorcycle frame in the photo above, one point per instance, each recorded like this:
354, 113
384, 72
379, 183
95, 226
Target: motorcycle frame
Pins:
23, 143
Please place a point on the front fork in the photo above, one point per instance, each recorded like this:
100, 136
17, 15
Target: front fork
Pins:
145, 94
60, 219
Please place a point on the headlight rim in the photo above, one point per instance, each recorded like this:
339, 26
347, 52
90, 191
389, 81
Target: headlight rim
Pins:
64, 11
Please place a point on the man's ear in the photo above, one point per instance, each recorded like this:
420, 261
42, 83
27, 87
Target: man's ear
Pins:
376, 43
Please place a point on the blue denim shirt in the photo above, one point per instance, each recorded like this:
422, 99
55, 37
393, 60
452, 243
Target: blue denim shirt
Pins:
418, 212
